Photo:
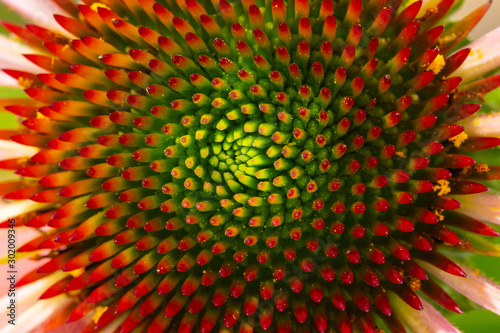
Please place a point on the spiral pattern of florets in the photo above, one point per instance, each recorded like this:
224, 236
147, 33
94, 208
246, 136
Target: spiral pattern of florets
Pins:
273, 164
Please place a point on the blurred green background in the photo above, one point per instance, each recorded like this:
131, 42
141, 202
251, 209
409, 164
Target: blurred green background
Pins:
472, 322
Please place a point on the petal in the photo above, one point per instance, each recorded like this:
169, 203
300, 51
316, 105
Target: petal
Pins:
14, 208
429, 320
76, 326
481, 206
483, 124
484, 25
27, 296
23, 235
35, 315
476, 287
10, 149
483, 58
11, 56
39, 12
7, 81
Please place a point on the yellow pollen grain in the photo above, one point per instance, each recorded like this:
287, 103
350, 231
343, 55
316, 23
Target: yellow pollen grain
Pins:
26, 216
401, 154
442, 187
437, 65
429, 13
378, 329
439, 214
447, 39
96, 5
479, 53
459, 139
36, 257
415, 284
481, 168
40, 115
77, 272
477, 168
21, 163
24, 82
466, 245
99, 311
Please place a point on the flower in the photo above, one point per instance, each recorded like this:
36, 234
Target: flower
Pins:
195, 166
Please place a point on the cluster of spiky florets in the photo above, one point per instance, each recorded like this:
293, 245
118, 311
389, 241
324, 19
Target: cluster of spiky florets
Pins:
273, 164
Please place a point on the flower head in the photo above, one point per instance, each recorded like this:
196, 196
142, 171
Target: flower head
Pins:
288, 165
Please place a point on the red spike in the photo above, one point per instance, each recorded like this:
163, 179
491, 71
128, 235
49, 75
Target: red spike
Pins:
428, 57
420, 81
210, 317
168, 284
150, 36
329, 28
354, 35
441, 262
399, 60
437, 294
466, 187
80, 311
469, 224
347, 56
454, 61
380, 299
405, 37
370, 277
48, 63
104, 251
398, 250
439, 12
479, 143
57, 288
405, 138
353, 12
371, 48
46, 196
446, 235
456, 161
403, 224
175, 305
102, 292
24, 35
359, 299
403, 102
482, 86
405, 17
380, 23
220, 296
428, 217
343, 322
278, 9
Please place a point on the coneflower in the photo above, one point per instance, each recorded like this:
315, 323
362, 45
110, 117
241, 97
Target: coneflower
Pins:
238, 166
